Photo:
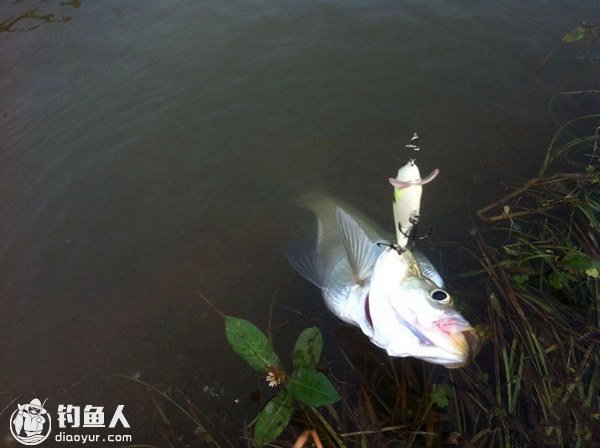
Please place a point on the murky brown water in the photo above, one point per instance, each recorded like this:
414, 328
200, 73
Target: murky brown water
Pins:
150, 149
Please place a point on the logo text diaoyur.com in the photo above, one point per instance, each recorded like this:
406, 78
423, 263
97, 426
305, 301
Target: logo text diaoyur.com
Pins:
31, 423
90, 438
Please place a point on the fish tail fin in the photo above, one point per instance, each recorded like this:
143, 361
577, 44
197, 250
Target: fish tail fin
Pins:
313, 260
303, 258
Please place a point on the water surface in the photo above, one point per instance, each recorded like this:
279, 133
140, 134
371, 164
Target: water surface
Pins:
151, 149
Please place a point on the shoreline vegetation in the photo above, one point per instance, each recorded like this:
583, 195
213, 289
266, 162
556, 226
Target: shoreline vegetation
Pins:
535, 383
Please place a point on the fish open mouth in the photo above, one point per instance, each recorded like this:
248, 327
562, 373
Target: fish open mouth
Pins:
460, 340
474, 341
465, 340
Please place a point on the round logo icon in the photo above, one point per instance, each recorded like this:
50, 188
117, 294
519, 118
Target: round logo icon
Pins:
30, 423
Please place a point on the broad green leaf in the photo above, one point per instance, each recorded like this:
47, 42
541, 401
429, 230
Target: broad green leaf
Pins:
274, 417
312, 388
576, 34
308, 349
251, 344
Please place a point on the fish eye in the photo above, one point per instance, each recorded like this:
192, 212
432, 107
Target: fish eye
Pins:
439, 295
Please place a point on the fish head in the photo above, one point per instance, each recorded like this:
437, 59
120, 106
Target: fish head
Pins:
412, 316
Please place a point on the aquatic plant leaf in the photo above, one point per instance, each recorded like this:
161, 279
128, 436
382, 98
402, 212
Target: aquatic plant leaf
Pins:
250, 344
578, 260
308, 349
312, 388
274, 417
592, 272
575, 34
554, 281
440, 393
560, 279
520, 278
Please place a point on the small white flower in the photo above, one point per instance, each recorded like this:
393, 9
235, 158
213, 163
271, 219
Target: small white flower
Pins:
275, 377
272, 379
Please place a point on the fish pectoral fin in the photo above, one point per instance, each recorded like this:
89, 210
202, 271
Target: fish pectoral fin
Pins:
361, 252
304, 259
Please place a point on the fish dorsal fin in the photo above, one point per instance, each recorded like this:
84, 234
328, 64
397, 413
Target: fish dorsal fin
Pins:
361, 252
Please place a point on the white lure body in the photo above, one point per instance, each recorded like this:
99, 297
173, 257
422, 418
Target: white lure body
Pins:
408, 188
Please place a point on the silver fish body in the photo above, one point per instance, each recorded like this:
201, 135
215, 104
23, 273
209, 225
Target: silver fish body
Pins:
397, 299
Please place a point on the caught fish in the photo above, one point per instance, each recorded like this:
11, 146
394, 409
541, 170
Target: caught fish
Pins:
396, 297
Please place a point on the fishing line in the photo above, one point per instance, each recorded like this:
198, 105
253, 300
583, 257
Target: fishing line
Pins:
414, 141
